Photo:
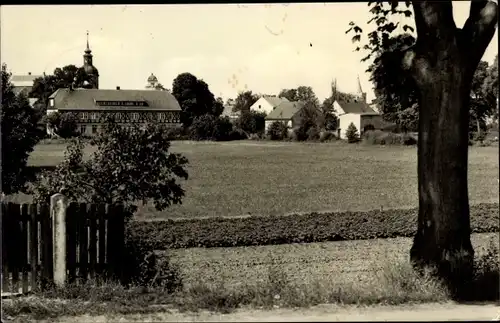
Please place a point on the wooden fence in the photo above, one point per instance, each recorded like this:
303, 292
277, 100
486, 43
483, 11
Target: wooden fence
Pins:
47, 243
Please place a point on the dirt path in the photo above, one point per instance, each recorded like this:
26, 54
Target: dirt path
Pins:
427, 312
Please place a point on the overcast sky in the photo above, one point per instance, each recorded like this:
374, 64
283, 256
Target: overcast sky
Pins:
263, 48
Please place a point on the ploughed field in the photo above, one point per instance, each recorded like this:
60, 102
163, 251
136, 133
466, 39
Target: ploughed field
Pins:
275, 178
341, 262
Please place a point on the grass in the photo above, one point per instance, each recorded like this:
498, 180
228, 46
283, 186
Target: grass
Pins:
224, 279
276, 178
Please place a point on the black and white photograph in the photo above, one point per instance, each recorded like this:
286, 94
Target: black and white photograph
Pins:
250, 162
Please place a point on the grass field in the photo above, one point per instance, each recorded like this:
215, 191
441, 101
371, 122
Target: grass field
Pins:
270, 178
341, 261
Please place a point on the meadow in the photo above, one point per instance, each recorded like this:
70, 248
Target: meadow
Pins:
275, 178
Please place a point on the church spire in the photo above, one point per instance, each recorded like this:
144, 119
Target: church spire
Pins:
361, 94
87, 50
360, 90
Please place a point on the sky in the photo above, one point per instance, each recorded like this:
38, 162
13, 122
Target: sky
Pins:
258, 47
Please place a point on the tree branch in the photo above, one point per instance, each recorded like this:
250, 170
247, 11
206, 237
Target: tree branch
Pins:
434, 20
478, 29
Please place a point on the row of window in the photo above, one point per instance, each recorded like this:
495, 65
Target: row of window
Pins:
132, 116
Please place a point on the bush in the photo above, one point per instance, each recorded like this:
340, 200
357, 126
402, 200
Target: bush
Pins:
326, 136
312, 134
378, 137
251, 122
277, 131
64, 124
209, 127
237, 134
352, 133
298, 228
177, 133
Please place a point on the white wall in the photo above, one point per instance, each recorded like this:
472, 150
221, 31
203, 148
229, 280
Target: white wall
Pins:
345, 120
262, 106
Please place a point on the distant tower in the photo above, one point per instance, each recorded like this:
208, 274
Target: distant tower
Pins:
334, 89
89, 68
360, 94
152, 82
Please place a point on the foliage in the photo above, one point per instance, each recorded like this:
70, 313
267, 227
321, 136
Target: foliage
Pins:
65, 77
244, 101
210, 127
176, 133
351, 133
326, 136
63, 124
195, 98
251, 122
296, 228
19, 136
302, 93
129, 165
378, 137
277, 130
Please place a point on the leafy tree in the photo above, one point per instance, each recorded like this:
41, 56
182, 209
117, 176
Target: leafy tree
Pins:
479, 108
63, 124
65, 77
351, 133
490, 87
290, 94
277, 130
129, 165
195, 98
19, 136
442, 63
210, 127
244, 101
302, 93
251, 122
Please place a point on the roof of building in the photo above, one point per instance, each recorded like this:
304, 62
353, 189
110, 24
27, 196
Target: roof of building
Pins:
285, 111
22, 89
228, 111
356, 107
274, 100
23, 80
85, 99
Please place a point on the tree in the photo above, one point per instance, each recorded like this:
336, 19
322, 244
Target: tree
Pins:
65, 77
63, 124
290, 94
490, 87
442, 63
251, 122
210, 127
352, 134
479, 108
195, 98
302, 93
278, 130
129, 165
244, 101
19, 136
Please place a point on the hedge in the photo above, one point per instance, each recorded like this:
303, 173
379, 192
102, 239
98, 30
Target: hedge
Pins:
313, 227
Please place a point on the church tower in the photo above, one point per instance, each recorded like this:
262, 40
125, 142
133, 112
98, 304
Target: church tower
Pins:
89, 68
152, 82
360, 94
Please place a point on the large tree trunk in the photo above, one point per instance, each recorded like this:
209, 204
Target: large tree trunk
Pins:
443, 237
443, 63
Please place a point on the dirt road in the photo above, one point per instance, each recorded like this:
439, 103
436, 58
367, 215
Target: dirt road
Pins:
427, 312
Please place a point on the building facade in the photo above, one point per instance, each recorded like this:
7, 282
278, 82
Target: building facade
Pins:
93, 106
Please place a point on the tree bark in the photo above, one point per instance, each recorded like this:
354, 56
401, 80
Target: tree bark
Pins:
443, 63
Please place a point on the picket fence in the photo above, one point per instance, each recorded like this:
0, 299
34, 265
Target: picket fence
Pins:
93, 240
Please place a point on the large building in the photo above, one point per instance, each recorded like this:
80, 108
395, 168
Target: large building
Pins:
23, 84
92, 105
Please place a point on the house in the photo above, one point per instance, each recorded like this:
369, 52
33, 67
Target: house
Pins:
267, 103
358, 113
228, 111
286, 112
23, 84
93, 106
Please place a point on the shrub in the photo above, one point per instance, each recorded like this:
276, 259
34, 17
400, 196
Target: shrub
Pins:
254, 136
378, 137
251, 122
210, 127
63, 124
237, 134
277, 131
176, 133
298, 228
326, 136
312, 134
302, 131
352, 133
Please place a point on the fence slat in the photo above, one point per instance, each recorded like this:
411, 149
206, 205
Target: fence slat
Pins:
34, 245
83, 235
110, 240
101, 211
24, 247
71, 239
15, 237
6, 224
120, 238
46, 241
93, 240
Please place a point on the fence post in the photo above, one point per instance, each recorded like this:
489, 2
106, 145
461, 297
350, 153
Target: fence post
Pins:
58, 207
